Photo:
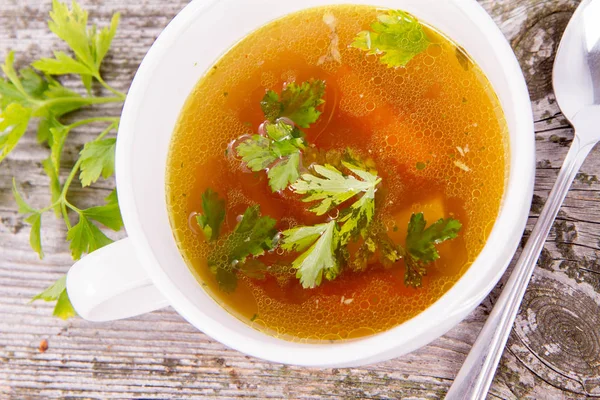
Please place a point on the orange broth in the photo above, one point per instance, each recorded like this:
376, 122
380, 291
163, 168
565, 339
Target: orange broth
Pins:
434, 128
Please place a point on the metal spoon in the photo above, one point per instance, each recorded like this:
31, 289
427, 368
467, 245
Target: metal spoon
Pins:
577, 89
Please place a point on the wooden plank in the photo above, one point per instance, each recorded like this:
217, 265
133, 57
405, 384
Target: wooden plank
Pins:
553, 353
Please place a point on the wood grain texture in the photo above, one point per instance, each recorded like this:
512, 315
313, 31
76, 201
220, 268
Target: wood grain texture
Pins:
553, 352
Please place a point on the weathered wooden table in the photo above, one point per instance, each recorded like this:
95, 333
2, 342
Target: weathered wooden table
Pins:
553, 352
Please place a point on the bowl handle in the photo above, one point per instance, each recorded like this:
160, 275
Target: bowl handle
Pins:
110, 284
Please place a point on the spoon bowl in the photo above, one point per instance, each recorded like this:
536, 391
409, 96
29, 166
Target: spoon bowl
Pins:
576, 72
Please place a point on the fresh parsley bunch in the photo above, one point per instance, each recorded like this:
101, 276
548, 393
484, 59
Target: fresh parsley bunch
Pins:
33, 94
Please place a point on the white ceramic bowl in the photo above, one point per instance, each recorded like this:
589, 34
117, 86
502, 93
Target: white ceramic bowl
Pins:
153, 273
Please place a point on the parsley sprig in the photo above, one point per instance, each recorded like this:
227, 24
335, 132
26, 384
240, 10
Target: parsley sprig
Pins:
397, 36
323, 248
237, 251
329, 188
278, 152
297, 102
420, 245
35, 94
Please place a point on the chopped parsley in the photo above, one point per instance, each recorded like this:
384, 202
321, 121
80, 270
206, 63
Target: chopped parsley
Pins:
397, 35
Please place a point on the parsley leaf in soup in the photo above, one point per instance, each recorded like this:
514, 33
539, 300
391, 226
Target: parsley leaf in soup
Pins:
285, 172
377, 242
297, 102
256, 153
214, 215
397, 36
252, 237
420, 245
320, 258
330, 187
278, 151
356, 219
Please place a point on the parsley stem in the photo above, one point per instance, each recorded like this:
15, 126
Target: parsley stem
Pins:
82, 100
92, 120
110, 88
65, 215
77, 165
64, 203
72, 207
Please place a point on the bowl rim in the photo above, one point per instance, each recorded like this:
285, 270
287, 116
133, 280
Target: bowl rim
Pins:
512, 217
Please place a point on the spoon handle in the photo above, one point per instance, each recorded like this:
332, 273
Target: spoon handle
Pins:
476, 375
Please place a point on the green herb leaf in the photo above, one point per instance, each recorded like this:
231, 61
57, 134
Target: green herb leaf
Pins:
52, 293
35, 240
58, 292
62, 64
421, 242
420, 245
24, 208
55, 188
26, 95
11, 74
13, 124
108, 215
256, 153
281, 146
284, 173
98, 159
34, 218
89, 45
330, 187
320, 259
301, 238
85, 237
252, 236
297, 102
356, 218
214, 215
56, 140
397, 34
377, 241
282, 131
63, 308
227, 279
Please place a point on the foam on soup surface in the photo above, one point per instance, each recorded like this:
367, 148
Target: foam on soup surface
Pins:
432, 131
